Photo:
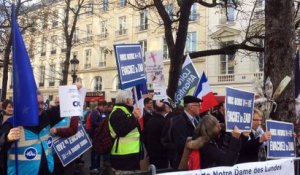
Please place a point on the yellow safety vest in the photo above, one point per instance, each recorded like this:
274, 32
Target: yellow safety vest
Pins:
129, 144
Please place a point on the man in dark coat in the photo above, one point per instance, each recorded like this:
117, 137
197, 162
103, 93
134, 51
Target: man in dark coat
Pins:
184, 125
251, 142
153, 132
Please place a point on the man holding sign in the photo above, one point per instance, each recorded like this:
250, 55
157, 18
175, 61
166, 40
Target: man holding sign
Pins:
64, 127
253, 141
123, 126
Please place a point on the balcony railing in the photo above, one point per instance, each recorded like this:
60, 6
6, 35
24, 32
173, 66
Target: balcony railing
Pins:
236, 78
122, 3
103, 35
51, 83
87, 66
89, 38
43, 53
102, 64
53, 52
121, 32
142, 27
41, 84
194, 17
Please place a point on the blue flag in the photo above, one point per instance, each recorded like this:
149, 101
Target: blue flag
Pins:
24, 87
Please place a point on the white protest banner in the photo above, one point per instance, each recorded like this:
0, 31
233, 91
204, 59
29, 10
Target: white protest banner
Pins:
155, 67
160, 92
271, 167
69, 101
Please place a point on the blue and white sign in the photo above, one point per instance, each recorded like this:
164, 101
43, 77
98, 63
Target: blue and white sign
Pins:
68, 149
130, 65
282, 143
238, 109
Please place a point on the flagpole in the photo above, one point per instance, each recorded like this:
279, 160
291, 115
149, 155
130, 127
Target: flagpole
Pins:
13, 13
135, 97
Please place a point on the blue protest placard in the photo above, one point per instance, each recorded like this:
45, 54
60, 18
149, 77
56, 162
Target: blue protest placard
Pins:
238, 109
282, 144
68, 149
130, 65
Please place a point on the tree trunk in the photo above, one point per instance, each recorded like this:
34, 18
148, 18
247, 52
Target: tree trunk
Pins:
280, 54
66, 65
5, 69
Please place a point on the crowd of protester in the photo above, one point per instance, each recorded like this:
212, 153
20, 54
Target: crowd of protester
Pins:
163, 137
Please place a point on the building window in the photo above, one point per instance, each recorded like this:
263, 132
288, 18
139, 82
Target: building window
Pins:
170, 10
122, 3
76, 35
97, 83
227, 62
194, 13
45, 23
89, 9
53, 44
105, 5
191, 42
165, 50
260, 3
88, 54
231, 11
115, 83
122, 26
89, 33
55, 19
143, 44
52, 75
42, 76
103, 29
43, 46
143, 21
102, 58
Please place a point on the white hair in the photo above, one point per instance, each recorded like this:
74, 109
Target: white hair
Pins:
123, 96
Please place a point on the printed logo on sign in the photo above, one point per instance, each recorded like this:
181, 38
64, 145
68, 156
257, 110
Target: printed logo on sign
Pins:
30, 153
76, 103
49, 142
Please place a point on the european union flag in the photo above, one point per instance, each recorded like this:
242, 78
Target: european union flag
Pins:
24, 87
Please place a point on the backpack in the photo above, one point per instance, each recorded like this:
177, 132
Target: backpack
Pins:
102, 140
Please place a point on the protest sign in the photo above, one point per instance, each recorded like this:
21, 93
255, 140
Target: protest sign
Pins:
68, 149
69, 101
130, 65
188, 80
238, 109
282, 143
155, 67
160, 92
271, 167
